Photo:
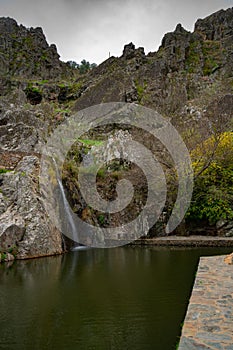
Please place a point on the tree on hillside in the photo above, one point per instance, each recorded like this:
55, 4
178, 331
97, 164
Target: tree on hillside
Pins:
83, 67
213, 169
72, 64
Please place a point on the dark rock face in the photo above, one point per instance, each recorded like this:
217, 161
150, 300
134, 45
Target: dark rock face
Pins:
176, 39
185, 66
129, 50
26, 53
217, 26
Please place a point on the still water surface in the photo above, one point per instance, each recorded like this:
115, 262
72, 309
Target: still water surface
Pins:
127, 298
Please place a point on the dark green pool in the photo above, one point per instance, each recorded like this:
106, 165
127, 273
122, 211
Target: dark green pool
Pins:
125, 298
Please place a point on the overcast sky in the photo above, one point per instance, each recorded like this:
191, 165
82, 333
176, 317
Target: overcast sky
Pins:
91, 29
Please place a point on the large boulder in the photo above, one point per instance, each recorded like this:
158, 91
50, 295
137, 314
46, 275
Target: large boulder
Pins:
25, 223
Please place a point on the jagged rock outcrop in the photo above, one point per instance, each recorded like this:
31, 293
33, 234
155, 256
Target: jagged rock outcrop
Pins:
130, 51
218, 26
25, 54
176, 46
186, 66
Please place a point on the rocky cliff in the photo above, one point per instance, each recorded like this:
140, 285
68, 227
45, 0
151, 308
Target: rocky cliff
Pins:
186, 66
25, 59
189, 80
25, 52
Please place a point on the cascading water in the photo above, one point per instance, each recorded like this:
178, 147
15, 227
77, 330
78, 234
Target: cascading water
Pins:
69, 223
69, 226
69, 220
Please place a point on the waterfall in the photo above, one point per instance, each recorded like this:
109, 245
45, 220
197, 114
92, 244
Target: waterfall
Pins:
69, 227
69, 222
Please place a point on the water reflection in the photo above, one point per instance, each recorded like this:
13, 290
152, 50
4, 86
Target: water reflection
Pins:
122, 298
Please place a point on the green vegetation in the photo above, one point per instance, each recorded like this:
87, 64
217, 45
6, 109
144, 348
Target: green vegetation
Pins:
88, 142
32, 89
42, 82
13, 250
212, 55
62, 110
44, 56
34, 94
101, 219
213, 192
3, 256
83, 67
140, 90
193, 58
28, 41
4, 171
69, 91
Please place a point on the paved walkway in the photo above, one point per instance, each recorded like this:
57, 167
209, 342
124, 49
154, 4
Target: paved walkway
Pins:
209, 319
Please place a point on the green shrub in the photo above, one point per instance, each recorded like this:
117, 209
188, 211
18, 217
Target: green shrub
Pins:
101, 219
3, 256
213, 195
213, 191
4, 171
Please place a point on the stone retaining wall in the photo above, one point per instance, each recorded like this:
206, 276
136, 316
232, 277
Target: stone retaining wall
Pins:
187, 241
209, 320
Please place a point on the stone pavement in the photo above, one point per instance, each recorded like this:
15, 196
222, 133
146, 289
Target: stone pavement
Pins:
209, 320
